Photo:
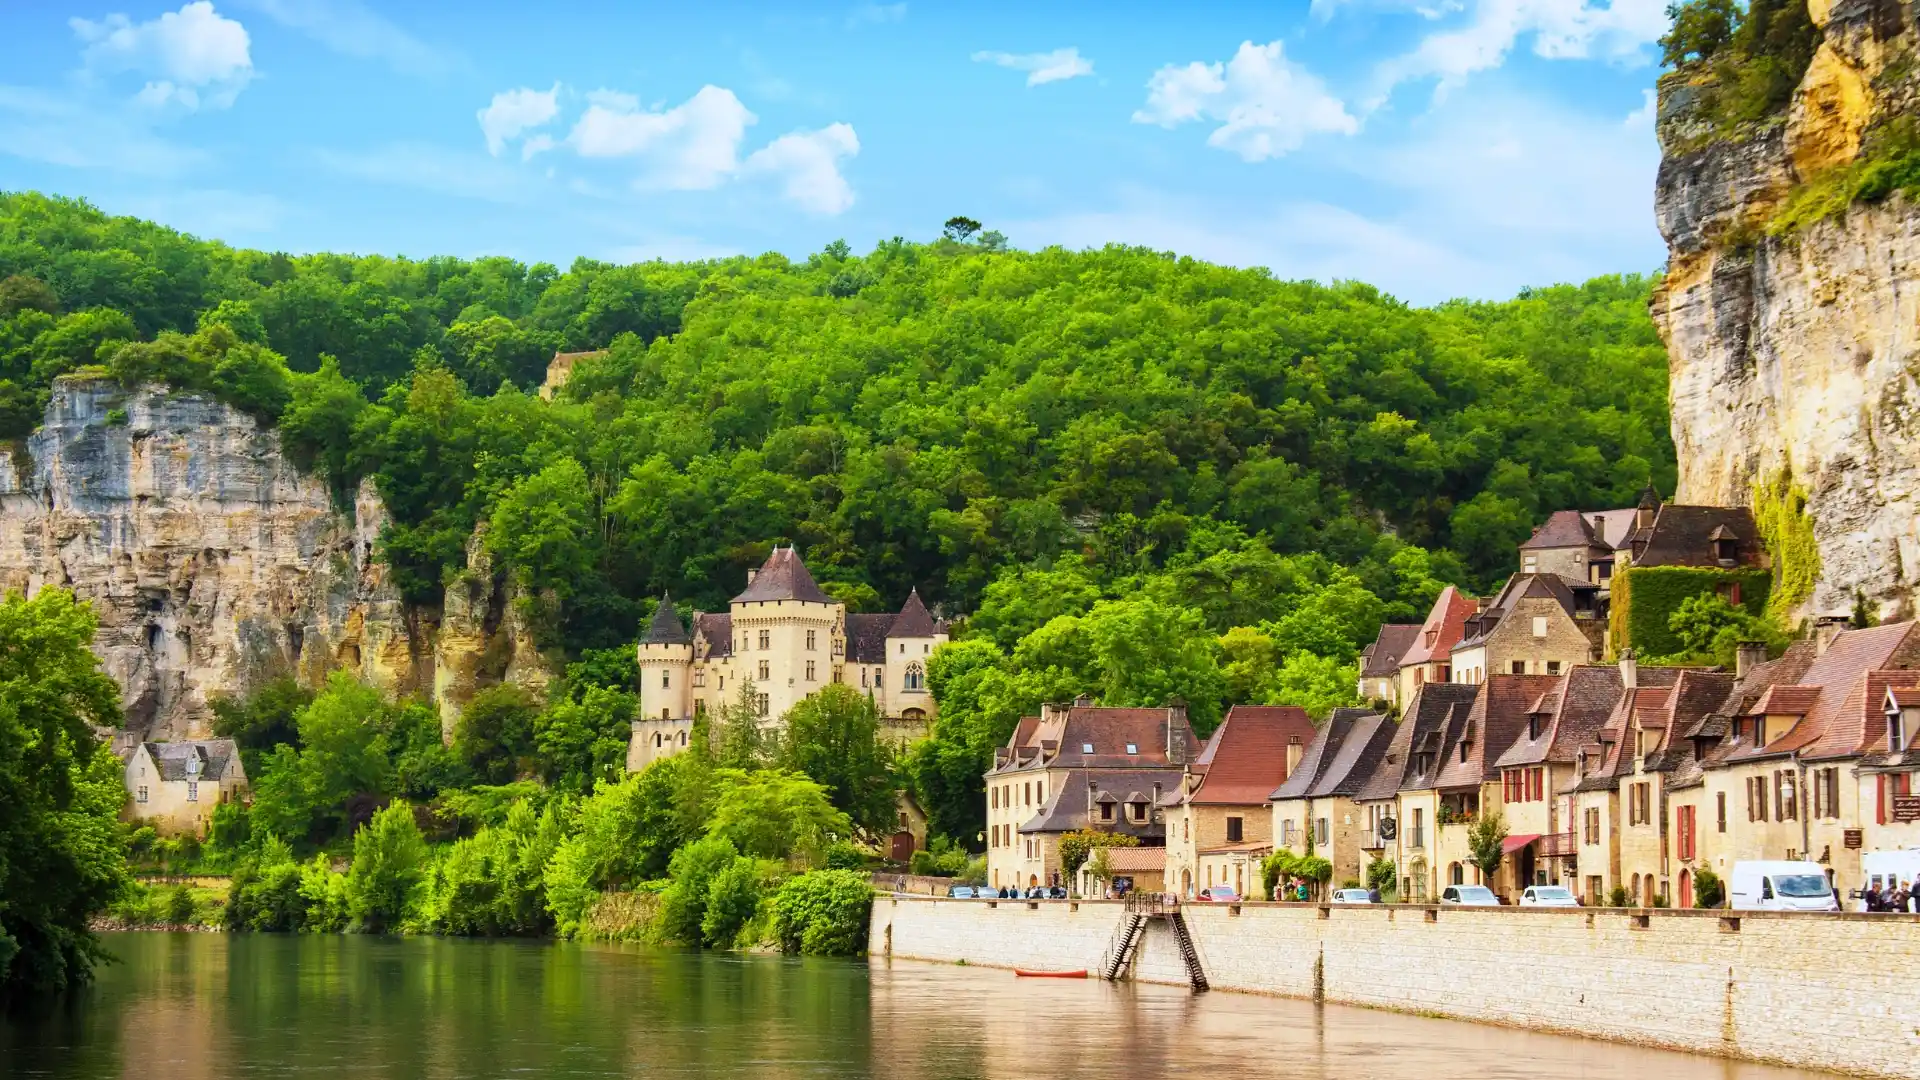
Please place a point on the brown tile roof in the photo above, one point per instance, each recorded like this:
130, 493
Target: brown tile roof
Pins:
1521, 587
1069, 806
1695, 695
1785, 700
1442, 628
783, 577
1247, 756
1497, 717
1859, 724
1904, 697
1383, 656
1134, 860
1425, 715
1579, 708
1682, 536
1071, 729
1562, 529
867, 634
1836, 725
716, 630
1787, 668
1613, 527
1344, 755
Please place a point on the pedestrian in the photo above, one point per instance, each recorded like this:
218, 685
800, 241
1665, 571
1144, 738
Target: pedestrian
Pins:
1373, 894
1870, 897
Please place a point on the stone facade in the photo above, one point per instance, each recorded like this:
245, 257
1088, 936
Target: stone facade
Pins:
1693, 981
782, 640
175, 786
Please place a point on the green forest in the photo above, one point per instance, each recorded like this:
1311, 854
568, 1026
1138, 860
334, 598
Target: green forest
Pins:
1123, 472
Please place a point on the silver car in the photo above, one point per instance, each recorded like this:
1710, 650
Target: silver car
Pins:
1548, 896
1470, 896
1350, 896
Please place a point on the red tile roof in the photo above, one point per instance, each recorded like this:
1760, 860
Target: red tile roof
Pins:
1785, 700
1383, 656
1133, 860
1498, 717
783, 577
1069, 730
1247, 757
1904, 697
1852, 676
1562, 529
1442, 628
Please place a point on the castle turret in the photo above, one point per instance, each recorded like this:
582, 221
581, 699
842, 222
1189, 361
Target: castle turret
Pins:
665, 720
904, 698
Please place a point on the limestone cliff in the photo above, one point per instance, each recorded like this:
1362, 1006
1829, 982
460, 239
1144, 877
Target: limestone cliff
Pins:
213, 563
1797, 352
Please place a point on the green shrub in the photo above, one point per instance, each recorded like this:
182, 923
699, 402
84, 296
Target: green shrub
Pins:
323, 895
683, 906
1382, 874
179, 910
1618, 897
823, 913
846, 855
116, 418
389, 857
1708, 892
732, 899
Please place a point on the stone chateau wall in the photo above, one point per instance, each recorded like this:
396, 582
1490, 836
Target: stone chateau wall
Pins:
1829, 992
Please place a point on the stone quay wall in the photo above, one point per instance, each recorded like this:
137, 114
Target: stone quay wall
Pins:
1834, 992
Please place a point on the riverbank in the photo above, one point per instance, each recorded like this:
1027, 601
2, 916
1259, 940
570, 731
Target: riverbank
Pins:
1821, 992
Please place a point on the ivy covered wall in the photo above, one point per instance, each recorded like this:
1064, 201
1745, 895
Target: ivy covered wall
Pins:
1645, 597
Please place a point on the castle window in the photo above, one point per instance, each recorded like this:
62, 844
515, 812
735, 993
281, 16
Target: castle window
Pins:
666, 680
761, 705
656, 740
141, 795
699, 678
809, 668
916, 677
810, 645
683, 738
765, 670
766, 639
925, 649
193, 791
863, 678
664, 714
903, 648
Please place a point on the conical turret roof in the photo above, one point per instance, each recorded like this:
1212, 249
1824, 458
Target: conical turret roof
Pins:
913, 620
783, 577
666, 628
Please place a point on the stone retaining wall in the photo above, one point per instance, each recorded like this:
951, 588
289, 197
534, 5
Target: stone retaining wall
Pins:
1835, 992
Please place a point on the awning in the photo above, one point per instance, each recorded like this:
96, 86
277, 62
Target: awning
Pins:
1514, 843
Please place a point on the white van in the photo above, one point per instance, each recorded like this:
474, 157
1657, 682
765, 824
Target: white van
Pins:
1888, 869
1780, 886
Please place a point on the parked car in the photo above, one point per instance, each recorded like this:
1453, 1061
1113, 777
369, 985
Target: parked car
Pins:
1470, 896
1777, 885
1548, 896
960, 892
1218, 894
1351, 896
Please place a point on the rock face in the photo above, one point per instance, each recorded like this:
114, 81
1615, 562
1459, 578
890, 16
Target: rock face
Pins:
1799, 352
214, 564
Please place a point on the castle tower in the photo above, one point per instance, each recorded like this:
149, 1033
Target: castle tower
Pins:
783, 628
904, 698
665, 721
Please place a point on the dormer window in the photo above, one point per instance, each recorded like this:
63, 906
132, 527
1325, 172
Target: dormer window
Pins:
1137, 810
1106, 811
1432, 636
1133, 748
1533, 727
1530, 564
1896, 729
1466, 747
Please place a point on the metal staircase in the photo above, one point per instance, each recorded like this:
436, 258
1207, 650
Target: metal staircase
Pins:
1141, 909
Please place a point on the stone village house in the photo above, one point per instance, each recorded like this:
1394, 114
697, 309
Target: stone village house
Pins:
1080, 766
1316, 810
1218, 822
175, 786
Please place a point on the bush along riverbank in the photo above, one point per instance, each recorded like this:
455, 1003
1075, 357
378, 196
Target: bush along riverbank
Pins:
755, 875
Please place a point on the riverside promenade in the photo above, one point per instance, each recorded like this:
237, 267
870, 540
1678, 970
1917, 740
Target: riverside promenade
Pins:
1815, 991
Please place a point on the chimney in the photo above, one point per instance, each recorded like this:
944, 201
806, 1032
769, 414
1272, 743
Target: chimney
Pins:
1644, 513
1825, 629
1747, 656
1293, 754
1629, 669
1083, 702
1154, 810
752, 572
1093, 790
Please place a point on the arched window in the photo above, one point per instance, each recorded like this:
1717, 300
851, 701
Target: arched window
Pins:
656, 740
916, 677
683, 738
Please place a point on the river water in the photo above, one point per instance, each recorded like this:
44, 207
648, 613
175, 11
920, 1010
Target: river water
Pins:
202, 1006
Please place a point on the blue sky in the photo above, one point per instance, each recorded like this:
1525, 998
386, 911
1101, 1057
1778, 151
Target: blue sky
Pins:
1436, 148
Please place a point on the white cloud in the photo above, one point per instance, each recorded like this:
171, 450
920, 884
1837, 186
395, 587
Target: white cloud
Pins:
512, 113
347, 27
1043, 67
195, 56
691, 146
876, 14
1561, 30
1265, 104
808, 163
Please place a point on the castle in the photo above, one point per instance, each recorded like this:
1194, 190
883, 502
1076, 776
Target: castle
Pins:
788, 639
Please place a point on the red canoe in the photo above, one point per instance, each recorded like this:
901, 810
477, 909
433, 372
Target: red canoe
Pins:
1081, 974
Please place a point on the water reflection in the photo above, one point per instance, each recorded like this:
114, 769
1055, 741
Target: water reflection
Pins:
203, 1006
